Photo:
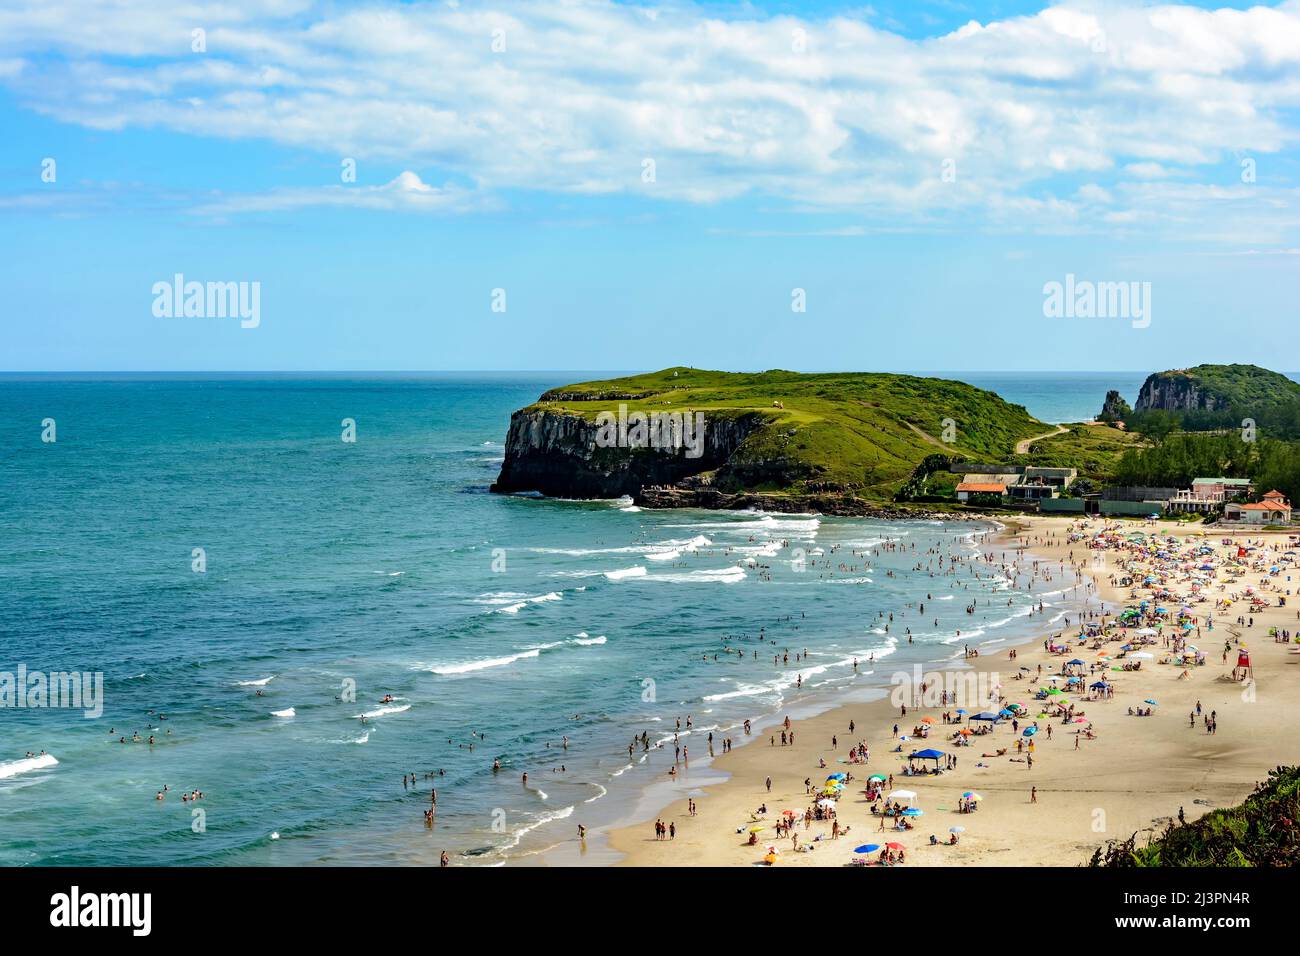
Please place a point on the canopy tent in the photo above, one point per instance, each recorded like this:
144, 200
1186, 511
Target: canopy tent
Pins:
986, 715
926, 755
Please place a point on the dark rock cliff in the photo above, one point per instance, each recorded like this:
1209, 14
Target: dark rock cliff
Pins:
556, 454
1114, 409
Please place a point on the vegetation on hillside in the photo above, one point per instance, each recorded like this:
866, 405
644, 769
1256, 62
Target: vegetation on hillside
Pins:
857, 432
1180, 458
1232, 394
1095, 450
1263, 831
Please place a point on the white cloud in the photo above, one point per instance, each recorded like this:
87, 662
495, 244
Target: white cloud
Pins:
406, 193
1102, 95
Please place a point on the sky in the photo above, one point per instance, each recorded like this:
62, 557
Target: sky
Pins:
588, 184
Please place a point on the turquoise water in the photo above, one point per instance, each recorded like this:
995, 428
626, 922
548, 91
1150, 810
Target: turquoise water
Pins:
386, 563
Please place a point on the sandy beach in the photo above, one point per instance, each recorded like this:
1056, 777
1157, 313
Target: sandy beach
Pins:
1132, 775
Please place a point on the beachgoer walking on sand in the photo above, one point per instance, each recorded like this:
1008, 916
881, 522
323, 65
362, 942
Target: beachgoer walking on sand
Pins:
769, 784
1033, 794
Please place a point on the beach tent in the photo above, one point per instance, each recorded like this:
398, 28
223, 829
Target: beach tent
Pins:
926, 755
986, 715
901, 795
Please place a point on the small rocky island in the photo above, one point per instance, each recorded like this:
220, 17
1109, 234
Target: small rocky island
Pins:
834, 442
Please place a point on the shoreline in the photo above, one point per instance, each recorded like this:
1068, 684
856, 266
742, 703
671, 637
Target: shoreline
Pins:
1133, 777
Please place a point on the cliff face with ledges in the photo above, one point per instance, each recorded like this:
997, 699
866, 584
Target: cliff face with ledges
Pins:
1177, 392
556, 453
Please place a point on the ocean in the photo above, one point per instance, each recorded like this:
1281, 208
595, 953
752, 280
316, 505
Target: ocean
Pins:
252, 588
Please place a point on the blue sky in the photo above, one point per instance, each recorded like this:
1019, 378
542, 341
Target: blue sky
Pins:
920, 170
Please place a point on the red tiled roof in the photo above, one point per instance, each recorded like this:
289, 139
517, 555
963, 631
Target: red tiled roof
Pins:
1266, 506
983, 487
1274, 494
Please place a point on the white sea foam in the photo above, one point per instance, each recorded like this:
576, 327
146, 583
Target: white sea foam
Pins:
470, 666
731, 575
518, 606
544, 819
287, 712
527, 653
14, 767
498, 597
659, 547
384, 711
260, 682
637, 571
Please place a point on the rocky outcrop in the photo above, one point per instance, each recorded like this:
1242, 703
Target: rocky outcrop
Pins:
1114, 408
556, 453
1177, 391
846, 505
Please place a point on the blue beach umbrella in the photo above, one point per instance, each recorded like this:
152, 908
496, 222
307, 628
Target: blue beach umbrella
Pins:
867, 848
1029, 731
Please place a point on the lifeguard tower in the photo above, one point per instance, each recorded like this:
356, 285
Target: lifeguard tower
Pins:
1243, 669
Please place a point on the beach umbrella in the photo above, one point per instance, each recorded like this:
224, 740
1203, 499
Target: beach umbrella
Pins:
902, 795
927, 720
1029, 731
895, 846
867, 848
913, 812
757, 828
878, 776
1150, 701
960, 710
825, 803
956, 829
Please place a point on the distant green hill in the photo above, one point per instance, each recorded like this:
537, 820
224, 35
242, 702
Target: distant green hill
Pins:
1211, 397
861, 433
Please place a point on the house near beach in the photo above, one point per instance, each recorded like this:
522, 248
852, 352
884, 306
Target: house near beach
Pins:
1272, 508
1208, 495
967, 489
1012, 482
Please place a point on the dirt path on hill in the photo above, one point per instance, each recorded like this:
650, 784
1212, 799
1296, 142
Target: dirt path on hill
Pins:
1022, 447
